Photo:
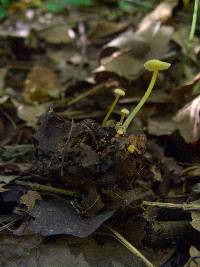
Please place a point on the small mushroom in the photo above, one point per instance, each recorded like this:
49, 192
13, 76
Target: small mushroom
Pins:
119, 93
153, 65
124, 112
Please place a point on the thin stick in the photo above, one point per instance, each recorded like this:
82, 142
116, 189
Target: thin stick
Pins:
130, 247
89, 92
47, 188
183, 206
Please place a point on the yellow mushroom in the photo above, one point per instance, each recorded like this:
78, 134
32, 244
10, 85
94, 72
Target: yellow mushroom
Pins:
131, 149
124, 112
153, 65
119, 93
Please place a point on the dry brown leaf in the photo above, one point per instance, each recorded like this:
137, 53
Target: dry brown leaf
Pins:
129, 40
29, 199
188, 121
160, 15
41, 83
102, 28
129, 63
181, 92
56, 34
30, 114
161, 126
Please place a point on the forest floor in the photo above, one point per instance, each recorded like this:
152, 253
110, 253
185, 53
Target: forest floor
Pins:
74, 192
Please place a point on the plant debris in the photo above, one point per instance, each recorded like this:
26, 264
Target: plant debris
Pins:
88, 177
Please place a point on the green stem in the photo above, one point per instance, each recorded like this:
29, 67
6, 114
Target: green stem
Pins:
142, 101
194, 20
110, 111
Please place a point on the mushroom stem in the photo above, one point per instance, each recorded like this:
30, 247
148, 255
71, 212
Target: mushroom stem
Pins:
110, 110
142, 101
122, 118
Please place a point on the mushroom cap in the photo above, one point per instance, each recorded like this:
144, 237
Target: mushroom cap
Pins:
131, 148
125, 111
119, 91
120, 131
150, 65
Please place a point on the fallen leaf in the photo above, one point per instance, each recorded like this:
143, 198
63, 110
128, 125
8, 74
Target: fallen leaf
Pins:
159, 126
29, 199
129, 63
66, 251
187, 121
91, 203
6, 179
40, 84
58, 34
54, 217
194, 260
180, 93
30, 114
159, 15
102, 28
195, 217
128, 40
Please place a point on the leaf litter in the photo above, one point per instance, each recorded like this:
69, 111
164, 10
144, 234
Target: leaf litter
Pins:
65, 179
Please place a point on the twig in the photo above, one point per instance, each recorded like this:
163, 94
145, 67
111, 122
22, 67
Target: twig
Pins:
130, 247
89, 92
183, 206
7, 225
47, 188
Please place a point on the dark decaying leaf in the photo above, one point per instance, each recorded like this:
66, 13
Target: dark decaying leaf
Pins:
32, 251
54, 217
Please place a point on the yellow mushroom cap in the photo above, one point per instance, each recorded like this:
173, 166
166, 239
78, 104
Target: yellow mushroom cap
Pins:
119, 91
120, 131
131, 148
125, 111
153, 64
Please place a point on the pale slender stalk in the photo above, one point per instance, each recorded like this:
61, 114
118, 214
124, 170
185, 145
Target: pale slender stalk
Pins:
46, 188
184, 206
130, 247
110, 111
142, 101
